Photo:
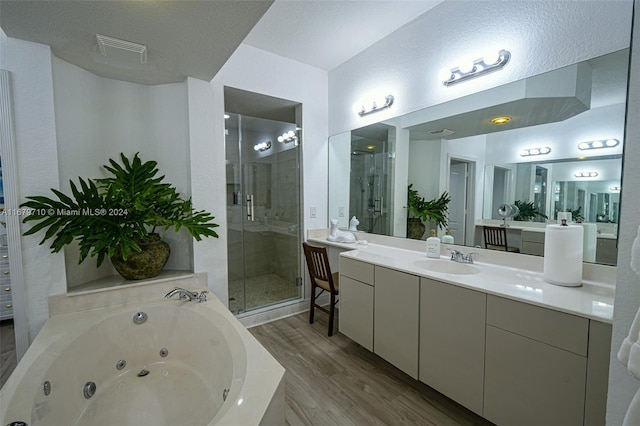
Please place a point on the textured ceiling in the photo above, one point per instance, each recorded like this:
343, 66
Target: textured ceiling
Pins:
195, 38
184, 38
324, 34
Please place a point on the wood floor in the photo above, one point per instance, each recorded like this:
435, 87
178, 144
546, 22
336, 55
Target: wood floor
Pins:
8, 360
334, 381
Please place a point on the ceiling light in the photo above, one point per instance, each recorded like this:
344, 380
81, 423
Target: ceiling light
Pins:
602, 143
469, 69
501, 120
371, 147
376, 105
535, 151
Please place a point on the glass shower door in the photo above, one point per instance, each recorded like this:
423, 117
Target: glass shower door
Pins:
263, 209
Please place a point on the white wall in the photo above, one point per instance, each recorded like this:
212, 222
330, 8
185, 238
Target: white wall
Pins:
37, 165
541, 36
622, 386
98, 118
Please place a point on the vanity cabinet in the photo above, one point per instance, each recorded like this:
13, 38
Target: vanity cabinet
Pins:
532, 242
535, 366
356, 301
607, 251
396, 318
452, 339
512, 362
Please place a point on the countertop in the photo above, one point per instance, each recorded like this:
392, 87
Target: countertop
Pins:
593, 300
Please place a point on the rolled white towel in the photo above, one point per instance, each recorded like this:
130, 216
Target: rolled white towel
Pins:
629, 342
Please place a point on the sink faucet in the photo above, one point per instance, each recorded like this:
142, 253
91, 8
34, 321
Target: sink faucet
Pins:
460, 257
193, 296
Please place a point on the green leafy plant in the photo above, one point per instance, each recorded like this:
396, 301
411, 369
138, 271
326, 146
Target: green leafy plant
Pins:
528, 211
121, 210
429, 211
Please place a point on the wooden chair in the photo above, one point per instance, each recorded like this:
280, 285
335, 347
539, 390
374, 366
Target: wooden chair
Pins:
321, 277
495, 238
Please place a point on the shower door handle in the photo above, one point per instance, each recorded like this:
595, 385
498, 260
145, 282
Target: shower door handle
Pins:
379, 204
250, 213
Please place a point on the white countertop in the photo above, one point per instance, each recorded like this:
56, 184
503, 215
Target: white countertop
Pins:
592, 300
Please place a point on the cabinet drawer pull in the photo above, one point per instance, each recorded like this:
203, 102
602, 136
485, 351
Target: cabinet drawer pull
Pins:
6, 272
7, 289
8, 305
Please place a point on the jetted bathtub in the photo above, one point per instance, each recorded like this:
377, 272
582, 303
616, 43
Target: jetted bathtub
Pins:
162, 362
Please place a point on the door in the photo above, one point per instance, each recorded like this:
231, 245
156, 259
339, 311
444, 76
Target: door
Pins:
263, 212
458, 183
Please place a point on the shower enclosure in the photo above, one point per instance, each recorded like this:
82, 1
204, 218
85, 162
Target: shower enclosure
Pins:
370, 186
263, 212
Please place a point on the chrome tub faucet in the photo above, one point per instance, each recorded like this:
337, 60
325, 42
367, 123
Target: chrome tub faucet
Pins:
193, 296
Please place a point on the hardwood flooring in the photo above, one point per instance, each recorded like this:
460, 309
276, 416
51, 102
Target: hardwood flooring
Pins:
334, 381
8, 359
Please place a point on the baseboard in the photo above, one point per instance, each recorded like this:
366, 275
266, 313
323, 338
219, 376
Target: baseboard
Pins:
269, 314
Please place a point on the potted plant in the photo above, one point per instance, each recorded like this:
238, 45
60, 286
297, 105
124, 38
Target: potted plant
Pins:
420, 210
528, 211
118, 217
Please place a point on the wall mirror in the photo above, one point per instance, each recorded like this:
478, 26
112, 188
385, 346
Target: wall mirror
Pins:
560, 152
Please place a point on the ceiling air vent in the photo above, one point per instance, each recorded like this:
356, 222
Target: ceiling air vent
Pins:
121, 49
441, 132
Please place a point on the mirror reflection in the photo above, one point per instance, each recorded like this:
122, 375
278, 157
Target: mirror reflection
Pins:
558, 155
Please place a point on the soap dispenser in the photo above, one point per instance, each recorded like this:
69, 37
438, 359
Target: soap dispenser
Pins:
448, 238
433, 245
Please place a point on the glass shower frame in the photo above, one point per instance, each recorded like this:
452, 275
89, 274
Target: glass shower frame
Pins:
263, 213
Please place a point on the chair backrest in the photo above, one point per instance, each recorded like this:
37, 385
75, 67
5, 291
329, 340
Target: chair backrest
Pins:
318, 264
495, 236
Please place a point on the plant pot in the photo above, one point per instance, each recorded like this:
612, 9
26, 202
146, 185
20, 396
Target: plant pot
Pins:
415, 228
146, 264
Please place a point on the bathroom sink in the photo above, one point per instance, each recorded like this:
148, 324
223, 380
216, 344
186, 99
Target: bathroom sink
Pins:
447, 267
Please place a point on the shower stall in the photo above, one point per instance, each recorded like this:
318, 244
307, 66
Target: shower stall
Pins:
371, 181
263, 212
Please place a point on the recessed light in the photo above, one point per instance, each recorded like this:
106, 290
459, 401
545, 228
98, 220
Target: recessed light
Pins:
501, 120
371, 147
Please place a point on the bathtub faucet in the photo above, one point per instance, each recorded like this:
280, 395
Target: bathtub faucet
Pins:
193, 296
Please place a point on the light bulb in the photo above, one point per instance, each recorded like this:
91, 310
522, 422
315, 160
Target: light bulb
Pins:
611, 142
583, 145
524, 152
597, 144
534, 151
280, 138
491, 57
445, 74
291, 133
466, 66
545, 150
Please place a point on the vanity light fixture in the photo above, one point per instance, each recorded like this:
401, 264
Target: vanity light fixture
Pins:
489, 62
603, 143
262, 146
586, 174
289, 136
535, 151
376, 105
615, 188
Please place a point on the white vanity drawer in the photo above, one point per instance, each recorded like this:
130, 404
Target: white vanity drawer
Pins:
558, 329
357, 270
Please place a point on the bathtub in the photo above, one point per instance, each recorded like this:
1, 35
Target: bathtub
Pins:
178, 363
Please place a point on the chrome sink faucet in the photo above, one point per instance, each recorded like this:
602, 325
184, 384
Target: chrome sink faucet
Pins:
193, 296
460, 257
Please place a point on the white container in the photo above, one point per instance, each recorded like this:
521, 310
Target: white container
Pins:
563, 247
433, 245
448, 238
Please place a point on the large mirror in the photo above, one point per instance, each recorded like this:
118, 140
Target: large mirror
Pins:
559, 155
